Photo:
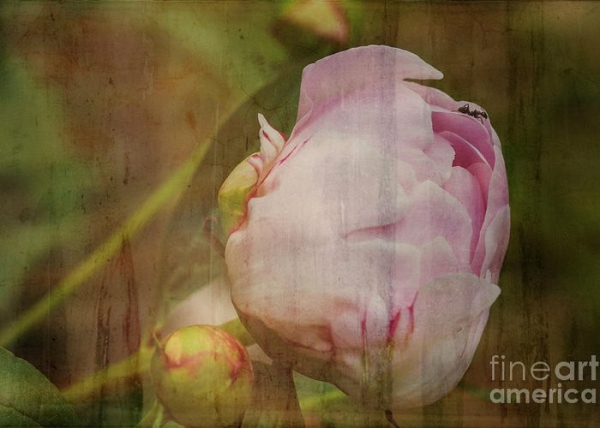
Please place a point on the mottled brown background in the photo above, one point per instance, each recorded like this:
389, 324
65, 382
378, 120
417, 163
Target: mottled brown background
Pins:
101, 102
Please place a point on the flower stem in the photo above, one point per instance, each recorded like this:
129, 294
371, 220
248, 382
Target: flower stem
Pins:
153, 417
137, 364
169, 191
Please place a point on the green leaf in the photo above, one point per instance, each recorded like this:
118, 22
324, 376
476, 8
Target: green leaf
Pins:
11, 418
28, 398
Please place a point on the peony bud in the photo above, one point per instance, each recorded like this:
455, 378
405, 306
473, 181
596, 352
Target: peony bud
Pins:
203, 377
370, 246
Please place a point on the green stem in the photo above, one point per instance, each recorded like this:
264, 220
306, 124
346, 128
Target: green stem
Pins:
166, 193
155, 414
137, 364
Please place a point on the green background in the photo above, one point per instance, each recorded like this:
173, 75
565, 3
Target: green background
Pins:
101, 102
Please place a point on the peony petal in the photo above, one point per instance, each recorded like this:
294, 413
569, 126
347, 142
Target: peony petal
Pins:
438, 259
255, 160
495, 138
269, 136
482, 172
496, 242
360, 181
271, 145
432, 212
355, 69
468, 128
434, 97
346, 276
464, 187
360, 112
209, 305
447, 322
465, 153
497, 200
447, 328
441, 156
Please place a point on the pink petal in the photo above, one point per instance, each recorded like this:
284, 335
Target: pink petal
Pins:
448, 317
362, 164
482, 172
464, 187
271, 140
465, 153
432, 212
496, 201
496, 242
438, 259
370, 67
468, 128
434, 97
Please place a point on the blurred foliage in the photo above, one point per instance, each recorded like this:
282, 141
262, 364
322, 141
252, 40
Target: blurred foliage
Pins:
125, 93
41, 181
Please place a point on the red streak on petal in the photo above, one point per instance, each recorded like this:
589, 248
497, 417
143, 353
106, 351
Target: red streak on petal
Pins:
393, 325
269, 139
411, 318
254, 191
289, 154
411, 322
363, 331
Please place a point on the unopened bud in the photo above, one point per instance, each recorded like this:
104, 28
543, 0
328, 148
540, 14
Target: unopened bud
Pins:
203, 376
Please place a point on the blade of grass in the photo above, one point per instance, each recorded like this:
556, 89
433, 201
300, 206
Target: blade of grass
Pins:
166, 193
153, 415
137, 364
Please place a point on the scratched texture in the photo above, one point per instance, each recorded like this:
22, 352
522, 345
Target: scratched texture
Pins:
101, 102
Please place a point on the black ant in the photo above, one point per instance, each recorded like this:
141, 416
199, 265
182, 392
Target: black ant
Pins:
477, 114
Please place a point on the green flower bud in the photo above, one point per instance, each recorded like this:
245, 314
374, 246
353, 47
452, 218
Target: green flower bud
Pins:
203, 377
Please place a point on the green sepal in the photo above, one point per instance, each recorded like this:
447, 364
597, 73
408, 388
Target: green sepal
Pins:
233, 195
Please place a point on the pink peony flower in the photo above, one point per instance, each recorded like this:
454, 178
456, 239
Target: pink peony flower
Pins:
369, 247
